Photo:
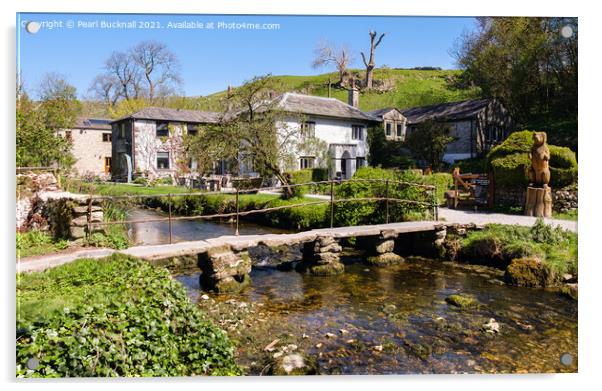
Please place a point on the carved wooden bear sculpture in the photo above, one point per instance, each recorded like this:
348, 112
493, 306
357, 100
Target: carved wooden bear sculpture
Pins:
539, 172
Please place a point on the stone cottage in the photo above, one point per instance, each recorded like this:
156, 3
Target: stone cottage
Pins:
392, 121
149, 142
478, 125
91, 146
342, 127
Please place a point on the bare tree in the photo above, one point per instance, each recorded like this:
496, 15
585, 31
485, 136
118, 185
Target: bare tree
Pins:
327, 53
122, 67
105, 87
371, 64
158, 65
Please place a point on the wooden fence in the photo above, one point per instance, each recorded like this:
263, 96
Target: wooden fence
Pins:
430, 191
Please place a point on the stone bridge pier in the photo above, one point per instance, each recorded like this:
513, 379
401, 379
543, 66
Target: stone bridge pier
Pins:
322, 256
380, 248
224, 269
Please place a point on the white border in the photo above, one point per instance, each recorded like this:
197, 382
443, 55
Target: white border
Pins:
589, 178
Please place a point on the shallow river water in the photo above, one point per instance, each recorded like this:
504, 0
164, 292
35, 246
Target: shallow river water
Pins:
380, 320
395, 320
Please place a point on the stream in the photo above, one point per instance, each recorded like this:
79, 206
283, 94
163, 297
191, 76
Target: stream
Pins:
380, 320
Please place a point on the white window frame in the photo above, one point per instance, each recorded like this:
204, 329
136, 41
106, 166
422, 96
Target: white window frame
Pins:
306, 162
163, 157
357, 132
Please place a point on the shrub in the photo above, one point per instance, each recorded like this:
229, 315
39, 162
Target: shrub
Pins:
300, 176
117, 316
141, 181
498, 245
510, 162
473, 165
372, 212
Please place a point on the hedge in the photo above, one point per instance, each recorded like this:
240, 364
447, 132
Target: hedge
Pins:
117, 316
510, 162
370, 212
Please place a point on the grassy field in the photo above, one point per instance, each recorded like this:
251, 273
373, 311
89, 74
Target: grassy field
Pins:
409, 88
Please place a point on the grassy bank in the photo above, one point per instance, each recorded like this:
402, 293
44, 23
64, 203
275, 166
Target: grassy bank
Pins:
117, 316
36, 242
500, 244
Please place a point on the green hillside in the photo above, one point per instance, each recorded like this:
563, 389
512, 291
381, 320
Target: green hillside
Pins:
406, 88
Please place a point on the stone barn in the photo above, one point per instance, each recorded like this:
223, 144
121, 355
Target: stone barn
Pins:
478, 125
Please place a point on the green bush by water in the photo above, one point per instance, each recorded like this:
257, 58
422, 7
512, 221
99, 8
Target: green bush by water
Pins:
499, 244
116, 316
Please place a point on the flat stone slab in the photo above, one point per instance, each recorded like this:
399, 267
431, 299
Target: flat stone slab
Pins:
241, 243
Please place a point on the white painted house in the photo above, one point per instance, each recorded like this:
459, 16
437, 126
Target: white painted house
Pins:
342, 128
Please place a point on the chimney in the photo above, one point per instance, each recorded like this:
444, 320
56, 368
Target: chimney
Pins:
353, 95
228, 97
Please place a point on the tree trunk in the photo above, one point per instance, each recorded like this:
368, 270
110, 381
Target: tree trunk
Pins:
370, 65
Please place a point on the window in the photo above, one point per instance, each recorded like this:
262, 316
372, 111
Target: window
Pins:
307, 162
388, 128
163, 160
162, 129
106, 137
122, 130
357, 132
68, 135
308, 129
399, 129
360, 162
193, 129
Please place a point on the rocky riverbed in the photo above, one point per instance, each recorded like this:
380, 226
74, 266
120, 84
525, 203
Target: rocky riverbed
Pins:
422, 316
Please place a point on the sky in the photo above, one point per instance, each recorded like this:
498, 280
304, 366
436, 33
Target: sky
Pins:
215, 51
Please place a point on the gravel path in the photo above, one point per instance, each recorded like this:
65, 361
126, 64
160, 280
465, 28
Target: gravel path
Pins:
481, 218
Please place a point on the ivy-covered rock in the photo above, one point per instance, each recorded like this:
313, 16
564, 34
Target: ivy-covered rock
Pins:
117, 316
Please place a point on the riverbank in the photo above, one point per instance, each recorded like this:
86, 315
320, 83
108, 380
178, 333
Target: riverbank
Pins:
116, 316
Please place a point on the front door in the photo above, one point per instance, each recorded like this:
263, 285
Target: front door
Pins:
344, 168
107, 165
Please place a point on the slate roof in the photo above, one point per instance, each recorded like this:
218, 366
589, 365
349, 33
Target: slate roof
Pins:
447, 111
175, 115
92, 123
316, 105
380, 112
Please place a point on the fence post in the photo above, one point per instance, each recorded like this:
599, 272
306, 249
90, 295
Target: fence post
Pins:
169, 209
237, 210
331, 203
89, 217
435, 204
387, 201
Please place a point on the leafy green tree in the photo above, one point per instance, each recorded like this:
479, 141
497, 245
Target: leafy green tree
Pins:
387, 153
429, 142
255, 134
37, 141
531, 65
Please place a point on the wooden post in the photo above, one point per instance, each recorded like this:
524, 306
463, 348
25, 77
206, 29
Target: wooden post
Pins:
169, 209
435, 204
237, 211
539, 201
331, 203
387, 201
89, 217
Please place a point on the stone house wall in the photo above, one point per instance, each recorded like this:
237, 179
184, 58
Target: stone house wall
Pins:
89, 150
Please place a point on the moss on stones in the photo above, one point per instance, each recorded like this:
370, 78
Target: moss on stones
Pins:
528, 272
462, 301
385, 259
329, 269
